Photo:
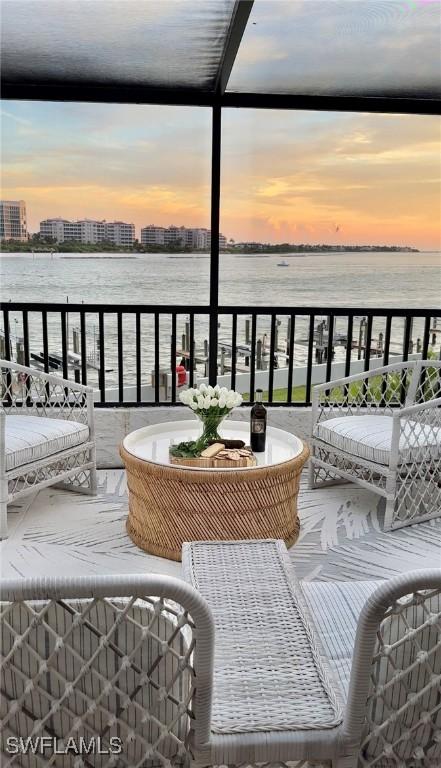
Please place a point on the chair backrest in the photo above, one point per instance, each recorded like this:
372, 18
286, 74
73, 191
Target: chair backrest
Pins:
28, 391
104, 658
394, 699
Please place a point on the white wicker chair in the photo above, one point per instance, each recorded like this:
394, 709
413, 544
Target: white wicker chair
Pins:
88, 660
379, 643
381, 429
133, 658
47, 435
391, 678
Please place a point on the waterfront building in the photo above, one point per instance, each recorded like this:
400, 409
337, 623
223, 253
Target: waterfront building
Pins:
13, 220
57, 229
88, 231
197, 238
254, 245
91, 231
120, 233
152, 235
175, 236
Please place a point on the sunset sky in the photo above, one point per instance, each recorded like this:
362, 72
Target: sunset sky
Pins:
286, 176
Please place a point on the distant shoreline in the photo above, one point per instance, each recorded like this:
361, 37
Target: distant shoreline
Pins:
133, 254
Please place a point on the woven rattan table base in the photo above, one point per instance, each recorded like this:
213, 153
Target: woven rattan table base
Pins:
169, 505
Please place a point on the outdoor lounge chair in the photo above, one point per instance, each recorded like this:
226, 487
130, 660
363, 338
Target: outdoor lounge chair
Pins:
238, 677
47, 435
381, 429
106, 660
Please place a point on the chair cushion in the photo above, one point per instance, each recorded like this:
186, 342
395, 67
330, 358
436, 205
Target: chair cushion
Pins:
370, 437
335, 608
31, 438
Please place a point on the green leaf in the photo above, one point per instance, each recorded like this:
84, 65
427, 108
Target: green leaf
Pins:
184, 450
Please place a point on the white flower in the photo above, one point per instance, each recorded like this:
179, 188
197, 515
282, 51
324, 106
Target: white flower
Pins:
206, 397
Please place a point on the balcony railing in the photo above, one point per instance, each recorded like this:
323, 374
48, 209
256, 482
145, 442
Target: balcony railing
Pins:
129, 353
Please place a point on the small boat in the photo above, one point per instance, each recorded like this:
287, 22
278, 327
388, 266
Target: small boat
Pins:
282, 264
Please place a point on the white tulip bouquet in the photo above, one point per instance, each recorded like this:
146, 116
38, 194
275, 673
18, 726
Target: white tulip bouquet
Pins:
219, 400
211, 405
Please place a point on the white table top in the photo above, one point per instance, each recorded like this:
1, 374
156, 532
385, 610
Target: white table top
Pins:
153, 443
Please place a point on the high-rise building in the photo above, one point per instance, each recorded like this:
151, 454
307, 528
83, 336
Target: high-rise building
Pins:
88, 231
13, 220
197, 238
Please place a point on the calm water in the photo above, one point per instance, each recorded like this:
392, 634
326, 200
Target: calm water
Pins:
350, 279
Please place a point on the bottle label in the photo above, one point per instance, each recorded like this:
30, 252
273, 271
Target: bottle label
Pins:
258, 426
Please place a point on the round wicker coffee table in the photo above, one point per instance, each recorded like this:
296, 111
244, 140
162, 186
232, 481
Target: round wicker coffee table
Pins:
170, 504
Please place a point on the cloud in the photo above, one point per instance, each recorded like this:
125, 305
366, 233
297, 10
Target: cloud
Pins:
284, 174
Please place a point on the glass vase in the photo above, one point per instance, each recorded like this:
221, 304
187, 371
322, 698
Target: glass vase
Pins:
210, 426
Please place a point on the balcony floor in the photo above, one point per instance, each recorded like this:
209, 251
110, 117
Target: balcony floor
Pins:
59, 532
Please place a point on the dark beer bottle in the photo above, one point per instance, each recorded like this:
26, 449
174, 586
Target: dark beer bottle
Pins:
258, 424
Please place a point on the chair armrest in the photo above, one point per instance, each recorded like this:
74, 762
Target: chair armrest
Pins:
419, 408
368, 675
416, 435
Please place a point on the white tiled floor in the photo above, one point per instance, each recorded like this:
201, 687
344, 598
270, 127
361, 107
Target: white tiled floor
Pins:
59, 532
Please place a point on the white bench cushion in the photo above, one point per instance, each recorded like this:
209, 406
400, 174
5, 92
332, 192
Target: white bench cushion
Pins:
335, 608
32, 438
370, 437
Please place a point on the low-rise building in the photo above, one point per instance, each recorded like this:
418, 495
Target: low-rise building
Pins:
88, 231
197, 238
153, 235
176, 236
13, 224
120, 233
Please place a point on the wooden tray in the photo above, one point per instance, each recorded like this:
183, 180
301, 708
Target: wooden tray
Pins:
214, 463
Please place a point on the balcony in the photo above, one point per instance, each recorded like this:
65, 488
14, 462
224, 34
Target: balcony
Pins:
95, 640
129, 355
